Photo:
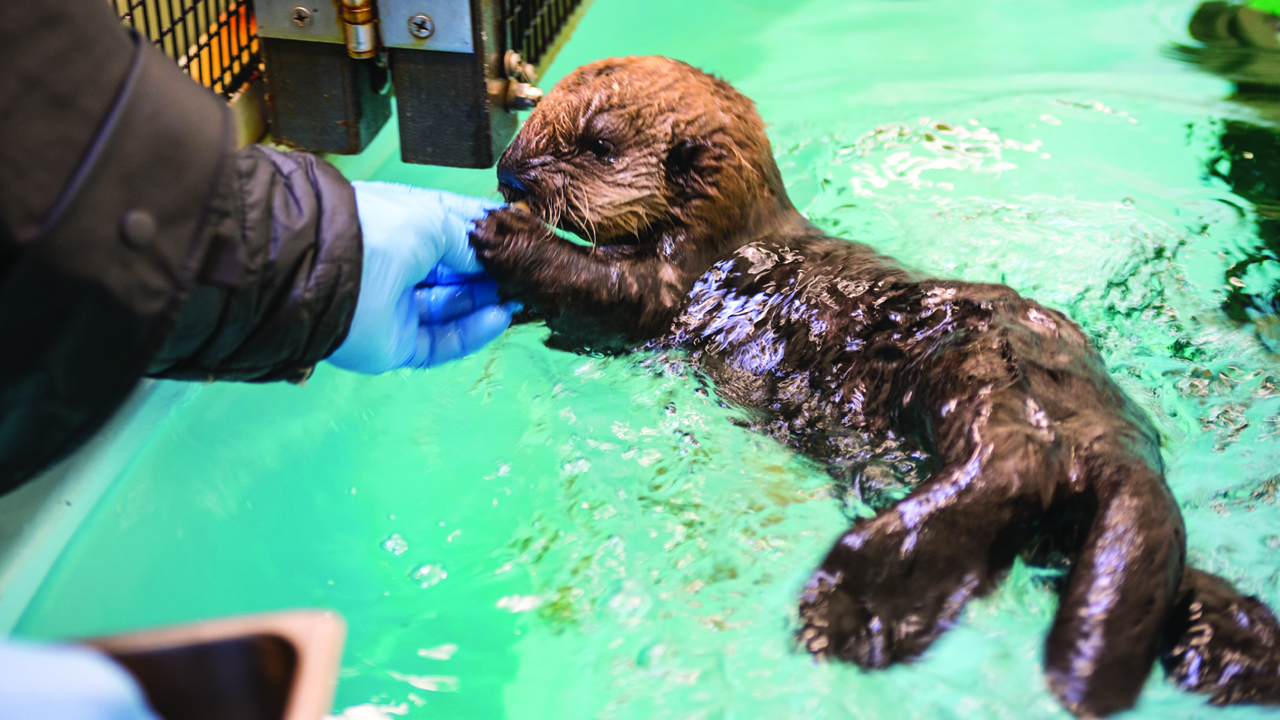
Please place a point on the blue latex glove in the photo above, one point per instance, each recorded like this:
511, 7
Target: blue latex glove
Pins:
66, 682
424, 299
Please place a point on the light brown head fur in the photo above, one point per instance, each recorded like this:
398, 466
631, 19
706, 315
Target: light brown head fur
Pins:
645, 151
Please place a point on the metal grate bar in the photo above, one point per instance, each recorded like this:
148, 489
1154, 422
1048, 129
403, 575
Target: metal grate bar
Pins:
532, 26
215, 41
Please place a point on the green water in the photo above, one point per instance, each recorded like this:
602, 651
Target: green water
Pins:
530, 534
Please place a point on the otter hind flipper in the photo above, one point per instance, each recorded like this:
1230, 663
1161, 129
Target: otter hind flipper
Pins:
1222, 643
874, 604
891, 585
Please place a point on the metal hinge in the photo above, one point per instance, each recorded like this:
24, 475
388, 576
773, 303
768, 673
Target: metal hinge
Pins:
359, 28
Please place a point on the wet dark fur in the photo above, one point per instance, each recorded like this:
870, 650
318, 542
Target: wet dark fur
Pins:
669, 172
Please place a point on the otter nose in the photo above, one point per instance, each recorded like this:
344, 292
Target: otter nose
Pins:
506, 177
509, 185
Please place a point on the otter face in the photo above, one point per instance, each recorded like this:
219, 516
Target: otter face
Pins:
632, 151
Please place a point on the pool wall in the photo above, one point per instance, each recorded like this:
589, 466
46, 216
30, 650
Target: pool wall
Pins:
38, 519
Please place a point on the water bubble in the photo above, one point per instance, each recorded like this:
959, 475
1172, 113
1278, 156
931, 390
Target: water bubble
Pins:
395, 544
429, 574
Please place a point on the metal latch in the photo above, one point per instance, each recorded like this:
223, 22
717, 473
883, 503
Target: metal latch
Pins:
521, 93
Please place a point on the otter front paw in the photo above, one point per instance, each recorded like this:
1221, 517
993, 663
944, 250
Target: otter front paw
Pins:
885, 593
507, 239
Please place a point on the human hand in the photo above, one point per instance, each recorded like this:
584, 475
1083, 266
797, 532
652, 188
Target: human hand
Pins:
424, 299
67, 682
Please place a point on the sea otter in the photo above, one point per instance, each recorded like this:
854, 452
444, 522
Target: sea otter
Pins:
694, 245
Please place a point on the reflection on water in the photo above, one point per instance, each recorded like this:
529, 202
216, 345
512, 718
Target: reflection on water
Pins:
940, 145
1240, 43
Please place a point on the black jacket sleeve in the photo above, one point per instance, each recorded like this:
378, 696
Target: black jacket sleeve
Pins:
278, 285
135, 239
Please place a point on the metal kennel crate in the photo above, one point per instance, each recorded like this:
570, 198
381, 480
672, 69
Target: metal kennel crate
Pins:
536, 30
214, 41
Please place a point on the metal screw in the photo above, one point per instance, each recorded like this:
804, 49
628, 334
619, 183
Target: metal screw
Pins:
421, 26
300, 16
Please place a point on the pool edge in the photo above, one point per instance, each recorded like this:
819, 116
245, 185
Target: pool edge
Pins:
39, 519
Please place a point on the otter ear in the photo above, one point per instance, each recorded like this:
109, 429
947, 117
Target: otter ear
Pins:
682, 157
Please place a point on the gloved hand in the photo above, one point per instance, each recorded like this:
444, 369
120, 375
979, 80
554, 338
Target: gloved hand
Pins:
67, 682
424, 299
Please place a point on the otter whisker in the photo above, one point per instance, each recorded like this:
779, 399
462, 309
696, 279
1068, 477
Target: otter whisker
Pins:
555, 210
586, 220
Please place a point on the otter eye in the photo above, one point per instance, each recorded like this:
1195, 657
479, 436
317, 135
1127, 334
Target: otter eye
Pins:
601, 148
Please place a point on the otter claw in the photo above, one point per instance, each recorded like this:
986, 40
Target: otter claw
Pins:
1257, 691
504, 235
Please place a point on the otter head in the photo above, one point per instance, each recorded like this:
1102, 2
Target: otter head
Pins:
645, 151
